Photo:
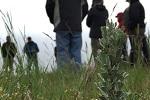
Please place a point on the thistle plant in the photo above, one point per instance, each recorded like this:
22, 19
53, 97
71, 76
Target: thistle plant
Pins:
111, 77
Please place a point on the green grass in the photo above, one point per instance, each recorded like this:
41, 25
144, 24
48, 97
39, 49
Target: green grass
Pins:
65, 84
138, 82
62, 84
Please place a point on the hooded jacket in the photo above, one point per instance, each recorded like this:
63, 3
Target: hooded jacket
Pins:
66, 15
97, 17
136, 15
120, 19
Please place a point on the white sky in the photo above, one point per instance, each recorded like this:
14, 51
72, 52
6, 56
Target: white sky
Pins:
32, 15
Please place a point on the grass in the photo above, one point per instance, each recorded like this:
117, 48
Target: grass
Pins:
65, 84
138, 82
61, 84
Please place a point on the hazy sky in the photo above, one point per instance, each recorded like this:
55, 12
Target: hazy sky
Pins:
32, 15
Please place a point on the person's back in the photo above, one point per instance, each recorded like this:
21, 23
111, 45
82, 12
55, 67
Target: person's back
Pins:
31, 48
66, 16
97, 17
136, 15
121, 25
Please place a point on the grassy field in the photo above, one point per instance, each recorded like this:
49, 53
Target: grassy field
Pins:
65, 84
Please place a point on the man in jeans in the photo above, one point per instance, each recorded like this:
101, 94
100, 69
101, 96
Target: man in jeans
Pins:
66, 16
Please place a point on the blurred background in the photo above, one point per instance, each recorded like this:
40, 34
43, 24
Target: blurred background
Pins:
30, 15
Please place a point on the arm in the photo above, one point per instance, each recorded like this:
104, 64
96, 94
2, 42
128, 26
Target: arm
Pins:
24, 49
84, 8
37, 49
107, 14
3, 51
50, 5
14, 49
89, 19
141, 17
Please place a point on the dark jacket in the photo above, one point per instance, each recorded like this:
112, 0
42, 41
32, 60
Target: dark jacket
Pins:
8, 50
66, 15
31, 49
136, 15
126, 17
97, 17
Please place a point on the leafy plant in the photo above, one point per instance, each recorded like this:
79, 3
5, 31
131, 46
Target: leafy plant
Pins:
111, 78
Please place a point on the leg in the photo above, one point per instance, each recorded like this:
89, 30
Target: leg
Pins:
29, 61
144, 45
124, 50
35, 63
145, 50
95, 46
62, 44
10, 60
75, 50
133, 50
55, 53
75, 47
5, 64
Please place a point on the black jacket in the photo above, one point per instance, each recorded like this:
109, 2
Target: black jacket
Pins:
97, 17
31, 49
66, 15
136, 15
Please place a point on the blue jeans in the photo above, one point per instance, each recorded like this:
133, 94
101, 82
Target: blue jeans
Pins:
68, 47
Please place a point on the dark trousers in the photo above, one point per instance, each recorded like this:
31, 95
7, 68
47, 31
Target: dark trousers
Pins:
124, 50
33, 62
138, 43
8, 64
95, 45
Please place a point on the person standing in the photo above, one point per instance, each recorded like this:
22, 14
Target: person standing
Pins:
8, 51
135, 25
66, 16
120, 20
31, 49
97, 17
